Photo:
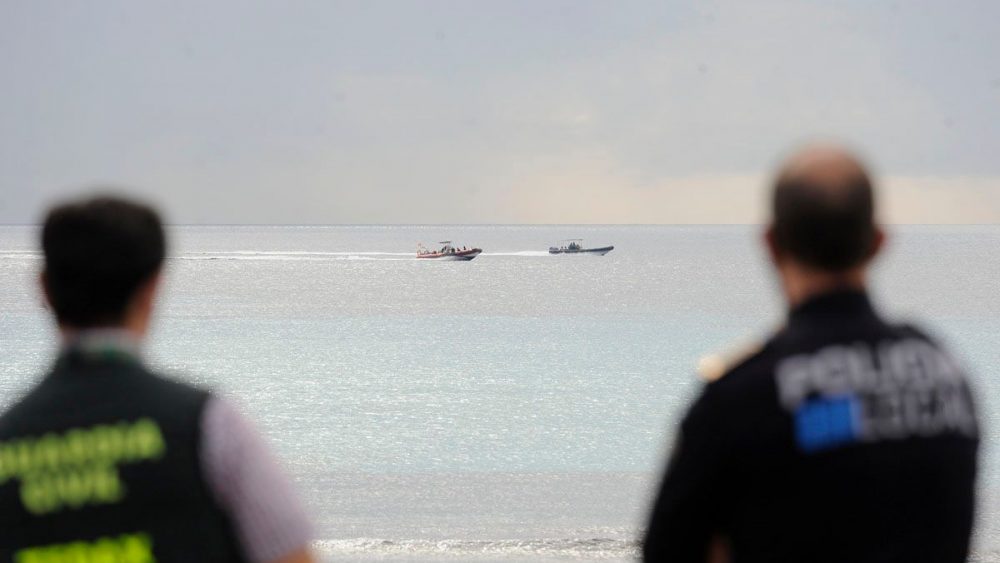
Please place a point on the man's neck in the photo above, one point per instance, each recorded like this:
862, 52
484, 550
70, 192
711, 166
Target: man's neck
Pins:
101, 338
802, 284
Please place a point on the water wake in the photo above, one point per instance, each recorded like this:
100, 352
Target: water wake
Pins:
321, 256
984, 556
20, 255
576, 548
535, 253
291, 255
295, 255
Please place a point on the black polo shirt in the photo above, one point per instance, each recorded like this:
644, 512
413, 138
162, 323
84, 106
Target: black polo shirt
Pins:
844, 439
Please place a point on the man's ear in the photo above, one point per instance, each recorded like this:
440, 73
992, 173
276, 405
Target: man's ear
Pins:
140, 309
878, 242
43, 283
772, 246
145, 295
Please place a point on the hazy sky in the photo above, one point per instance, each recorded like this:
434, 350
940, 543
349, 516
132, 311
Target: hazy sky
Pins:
492, 112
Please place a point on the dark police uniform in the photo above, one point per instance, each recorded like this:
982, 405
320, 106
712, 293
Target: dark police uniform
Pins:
844, 439
100, 464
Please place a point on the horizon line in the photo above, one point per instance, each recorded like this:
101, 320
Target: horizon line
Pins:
707, 224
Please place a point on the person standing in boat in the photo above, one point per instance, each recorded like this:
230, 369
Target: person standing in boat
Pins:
844, 437
105, 460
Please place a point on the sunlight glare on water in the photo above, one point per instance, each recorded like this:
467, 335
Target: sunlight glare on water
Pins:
516, 407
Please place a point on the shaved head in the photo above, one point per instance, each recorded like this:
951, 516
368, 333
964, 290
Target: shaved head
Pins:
823, 209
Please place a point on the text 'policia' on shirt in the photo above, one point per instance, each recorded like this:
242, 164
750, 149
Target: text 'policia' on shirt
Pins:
868, 392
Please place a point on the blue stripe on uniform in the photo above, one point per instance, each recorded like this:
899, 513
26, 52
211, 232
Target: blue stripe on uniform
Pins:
826, 422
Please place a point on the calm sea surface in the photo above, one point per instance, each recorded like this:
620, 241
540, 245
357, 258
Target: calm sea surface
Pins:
516, 407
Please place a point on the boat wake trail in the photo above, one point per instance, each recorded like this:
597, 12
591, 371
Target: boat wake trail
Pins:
529, 253
287, 255
295, 255
303, 255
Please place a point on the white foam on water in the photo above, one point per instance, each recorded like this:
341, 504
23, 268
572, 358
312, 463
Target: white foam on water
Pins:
529, 253
319, 256
20, 255
295, 255
291, 255
601, 549
571, 548
307, 253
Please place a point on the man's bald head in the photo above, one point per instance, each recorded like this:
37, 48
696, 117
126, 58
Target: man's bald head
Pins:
823, 210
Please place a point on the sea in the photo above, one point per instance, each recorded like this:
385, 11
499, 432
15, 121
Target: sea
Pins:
518, 407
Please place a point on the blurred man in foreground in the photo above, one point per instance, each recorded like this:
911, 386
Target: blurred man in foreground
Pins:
844, 438
105, 461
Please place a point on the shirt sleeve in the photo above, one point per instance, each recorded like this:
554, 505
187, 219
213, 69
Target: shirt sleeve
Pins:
250, 486
684, 518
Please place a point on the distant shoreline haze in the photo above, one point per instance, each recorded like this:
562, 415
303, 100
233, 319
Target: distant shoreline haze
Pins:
692, 201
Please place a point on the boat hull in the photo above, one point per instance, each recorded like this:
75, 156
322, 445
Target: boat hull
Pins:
458, 256
594, 251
